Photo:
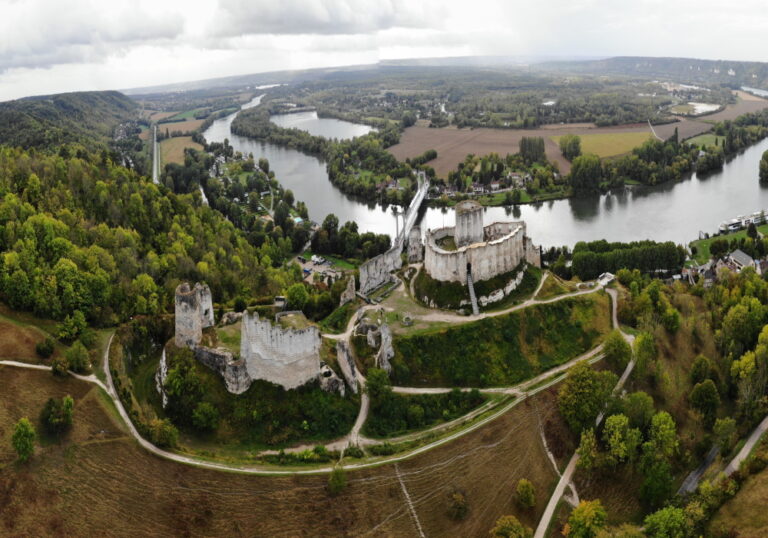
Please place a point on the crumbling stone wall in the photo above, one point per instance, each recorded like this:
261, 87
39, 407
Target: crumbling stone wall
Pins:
189, 323
469, 223
348, 295
376, 271
415, 248
347, 365
233, 371
287, 357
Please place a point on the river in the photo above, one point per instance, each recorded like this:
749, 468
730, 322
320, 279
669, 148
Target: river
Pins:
674, 211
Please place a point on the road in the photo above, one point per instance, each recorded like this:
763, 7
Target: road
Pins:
354, 437
567, 476
758, 432
155, 156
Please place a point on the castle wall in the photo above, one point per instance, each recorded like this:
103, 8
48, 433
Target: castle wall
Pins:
221, 361
189, 326
287, 357
415, 250
486, 259
376, 271
469, 224
348, 294
206, 304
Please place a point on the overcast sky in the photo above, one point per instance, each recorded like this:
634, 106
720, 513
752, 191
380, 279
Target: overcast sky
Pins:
51, 46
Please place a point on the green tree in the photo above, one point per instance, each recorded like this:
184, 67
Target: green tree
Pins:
763, 168
668, 522
725, 434
72, 326
701, 370
56, 415
583, 395
586, 520
526, 494
23, 439
570, 146
638, 406
705, 399
78, 359
510, 527
621, 440
205, 417
377, 384
588, 450
297, 296
163, 433
645, 353
59, 366
616, 350
45, 348
662, 442
586, 174
657, 486
337, 481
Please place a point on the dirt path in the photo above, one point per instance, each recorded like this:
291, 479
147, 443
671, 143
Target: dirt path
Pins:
567, 476
747, 448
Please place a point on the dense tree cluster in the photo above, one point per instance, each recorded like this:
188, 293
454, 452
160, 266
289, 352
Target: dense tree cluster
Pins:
570, 146
78, 234
590, 259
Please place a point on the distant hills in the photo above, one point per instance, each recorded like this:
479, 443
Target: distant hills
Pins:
684, 70
51, 120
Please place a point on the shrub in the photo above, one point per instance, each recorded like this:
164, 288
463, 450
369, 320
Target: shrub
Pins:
458, 507
56, 415
526, 494
77, 358
45, 348
23, 439
163, 433
205, 417
354, 451
510, 527
337, 481
59, 366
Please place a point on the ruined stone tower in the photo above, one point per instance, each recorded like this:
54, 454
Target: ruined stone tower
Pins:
194, 312
469, 223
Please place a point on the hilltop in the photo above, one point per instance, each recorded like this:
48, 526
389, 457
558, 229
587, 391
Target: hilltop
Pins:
48, 121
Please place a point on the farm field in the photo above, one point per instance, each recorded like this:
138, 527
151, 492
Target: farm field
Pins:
708, 139
610, 144
183, 126
746, 103
97, 480
453, 145
157, 116
172, 149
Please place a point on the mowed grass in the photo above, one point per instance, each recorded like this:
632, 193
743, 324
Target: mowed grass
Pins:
19, 335
172, 149
98, 482
708, 139
610, 144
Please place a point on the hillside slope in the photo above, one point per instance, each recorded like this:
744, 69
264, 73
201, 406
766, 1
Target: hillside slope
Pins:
47, 121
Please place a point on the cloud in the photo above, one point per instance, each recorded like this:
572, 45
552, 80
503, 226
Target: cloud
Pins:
36, 33
326, 17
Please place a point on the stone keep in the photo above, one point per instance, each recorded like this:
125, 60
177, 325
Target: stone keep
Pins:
500, 249
469, 223
194, 312
287, 357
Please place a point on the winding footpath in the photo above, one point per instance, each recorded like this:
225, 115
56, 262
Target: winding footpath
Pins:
521, 392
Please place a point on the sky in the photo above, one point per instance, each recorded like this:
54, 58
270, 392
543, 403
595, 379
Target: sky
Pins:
53, 46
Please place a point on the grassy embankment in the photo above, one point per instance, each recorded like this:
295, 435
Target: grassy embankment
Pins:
449, 295
708, 139
502, 350
702, 245
96, 477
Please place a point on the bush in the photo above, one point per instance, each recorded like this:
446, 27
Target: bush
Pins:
45, 348
337, 481
72, 326
205, 417
56, 415
59, 366
526, 494
458, 507
354, 451
162, 433
77, 358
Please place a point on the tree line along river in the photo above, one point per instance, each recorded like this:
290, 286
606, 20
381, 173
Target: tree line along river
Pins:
675, 211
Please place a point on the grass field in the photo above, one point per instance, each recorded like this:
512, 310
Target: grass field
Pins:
172, 149
99, 482
702, 245
554, 286
19, 334
706, 140
184, 126
610, 144
502, 350
186, 115
157, 116
746, 511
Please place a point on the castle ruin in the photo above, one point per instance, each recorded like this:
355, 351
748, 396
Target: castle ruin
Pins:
480, 252
282, 355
